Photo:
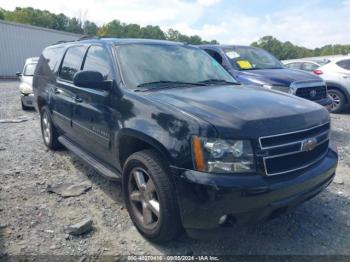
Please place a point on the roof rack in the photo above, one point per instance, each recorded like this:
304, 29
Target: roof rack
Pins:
86, 37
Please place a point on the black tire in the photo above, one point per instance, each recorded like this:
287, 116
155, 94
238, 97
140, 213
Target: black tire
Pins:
168, 225
25, 108
338, 100
51, 141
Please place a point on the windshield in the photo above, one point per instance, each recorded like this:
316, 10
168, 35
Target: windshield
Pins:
29, 70
249, 58
148, 65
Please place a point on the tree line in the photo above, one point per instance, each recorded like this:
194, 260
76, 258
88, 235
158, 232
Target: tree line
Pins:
115, 28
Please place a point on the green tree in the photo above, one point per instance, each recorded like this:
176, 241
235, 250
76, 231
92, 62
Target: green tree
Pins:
90, 28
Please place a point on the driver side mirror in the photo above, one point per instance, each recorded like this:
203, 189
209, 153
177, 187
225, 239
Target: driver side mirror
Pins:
19, 74
91, 79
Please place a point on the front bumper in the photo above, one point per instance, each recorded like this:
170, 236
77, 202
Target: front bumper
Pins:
27, 100
204, 198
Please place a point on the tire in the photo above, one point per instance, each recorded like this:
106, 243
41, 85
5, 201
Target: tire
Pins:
142, 203
338, 100
25, 108
48, 130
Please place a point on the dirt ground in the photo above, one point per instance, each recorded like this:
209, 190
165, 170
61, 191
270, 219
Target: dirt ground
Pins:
33, 221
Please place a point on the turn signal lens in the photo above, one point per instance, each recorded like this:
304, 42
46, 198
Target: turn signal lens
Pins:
198, 153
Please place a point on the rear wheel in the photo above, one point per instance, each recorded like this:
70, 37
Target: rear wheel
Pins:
150, 197
338, 100
48, 130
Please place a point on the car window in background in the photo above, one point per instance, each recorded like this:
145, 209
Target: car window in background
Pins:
345, 64
214, 55
72, 62
97, 59
249, 58
29, 69
309, 66
296, 65
147, 63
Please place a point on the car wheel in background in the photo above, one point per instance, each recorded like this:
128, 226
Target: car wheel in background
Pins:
48, 130
338, 100
24, 107
148, 195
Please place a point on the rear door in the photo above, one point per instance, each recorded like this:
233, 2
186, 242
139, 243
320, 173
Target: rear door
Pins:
64, 96
344, 72
92, 112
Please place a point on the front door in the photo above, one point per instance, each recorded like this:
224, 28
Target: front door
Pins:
93, 117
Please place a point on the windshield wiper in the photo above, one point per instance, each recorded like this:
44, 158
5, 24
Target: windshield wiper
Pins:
217, 81
166, 84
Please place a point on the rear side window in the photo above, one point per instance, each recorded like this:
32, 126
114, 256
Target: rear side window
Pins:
72, 62
345, 64
49, 61
310, 67
97, 59
296, 65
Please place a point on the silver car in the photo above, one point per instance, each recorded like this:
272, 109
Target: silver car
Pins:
335, 71
26, 83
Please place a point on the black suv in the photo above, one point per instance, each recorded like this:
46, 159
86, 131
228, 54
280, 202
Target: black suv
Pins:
192, 148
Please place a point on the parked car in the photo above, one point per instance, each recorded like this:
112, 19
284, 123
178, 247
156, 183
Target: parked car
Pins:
307, 65
336, 72
193, 148
26, 81
250, 65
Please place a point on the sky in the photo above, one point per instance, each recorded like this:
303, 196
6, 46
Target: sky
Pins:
309, 23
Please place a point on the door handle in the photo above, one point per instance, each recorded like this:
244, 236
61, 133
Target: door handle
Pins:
346, 76
78, 99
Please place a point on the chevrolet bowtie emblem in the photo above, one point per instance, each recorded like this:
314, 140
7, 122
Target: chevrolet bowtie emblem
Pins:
309, 144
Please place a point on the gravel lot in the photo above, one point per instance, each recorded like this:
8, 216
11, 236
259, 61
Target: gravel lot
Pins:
33, 221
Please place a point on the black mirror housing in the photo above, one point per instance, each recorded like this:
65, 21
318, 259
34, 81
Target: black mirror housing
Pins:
18, 74
91, 79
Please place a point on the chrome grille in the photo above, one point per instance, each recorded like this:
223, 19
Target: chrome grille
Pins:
288, 152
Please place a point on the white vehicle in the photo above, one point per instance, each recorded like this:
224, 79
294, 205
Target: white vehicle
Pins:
26, 83
335, 71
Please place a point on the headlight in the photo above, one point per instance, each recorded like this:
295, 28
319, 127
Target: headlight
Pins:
222, 156
285, 89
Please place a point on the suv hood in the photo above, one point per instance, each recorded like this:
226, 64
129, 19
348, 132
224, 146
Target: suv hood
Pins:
244, 112
280, 77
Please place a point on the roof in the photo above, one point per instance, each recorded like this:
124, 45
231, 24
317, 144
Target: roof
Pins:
39, 28
228, 46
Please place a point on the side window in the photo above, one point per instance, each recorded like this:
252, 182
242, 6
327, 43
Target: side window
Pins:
72, 62
309, 67
49, 61
296, 65
345, 64
97, 59
214, 55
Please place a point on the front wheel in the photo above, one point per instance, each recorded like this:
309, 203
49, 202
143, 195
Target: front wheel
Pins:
150, 198
338, 100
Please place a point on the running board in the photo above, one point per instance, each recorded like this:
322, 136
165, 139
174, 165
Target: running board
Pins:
97, 165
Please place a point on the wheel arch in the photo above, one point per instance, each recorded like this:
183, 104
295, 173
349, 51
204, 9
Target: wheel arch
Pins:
130, 141
339, 87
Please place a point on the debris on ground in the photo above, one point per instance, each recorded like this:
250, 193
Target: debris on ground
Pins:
70, 189
81, 227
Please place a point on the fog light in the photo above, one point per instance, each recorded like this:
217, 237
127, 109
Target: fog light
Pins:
222, 219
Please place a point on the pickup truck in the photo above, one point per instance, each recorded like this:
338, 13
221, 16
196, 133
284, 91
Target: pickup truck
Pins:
251, 65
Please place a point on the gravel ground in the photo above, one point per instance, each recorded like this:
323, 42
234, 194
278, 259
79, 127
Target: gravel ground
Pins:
33, 222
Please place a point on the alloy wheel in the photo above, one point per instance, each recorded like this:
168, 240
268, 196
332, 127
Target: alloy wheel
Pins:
335, 101
143, 198
46, 127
